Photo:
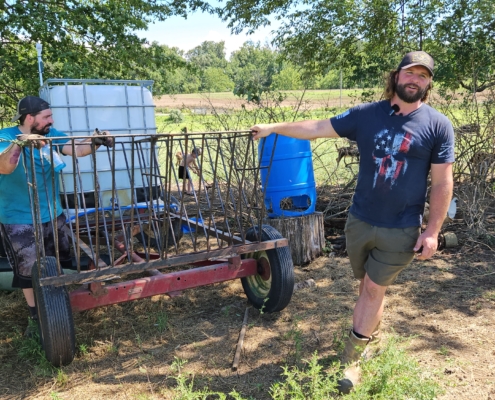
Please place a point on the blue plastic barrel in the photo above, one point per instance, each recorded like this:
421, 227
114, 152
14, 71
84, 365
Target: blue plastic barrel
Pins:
290, 176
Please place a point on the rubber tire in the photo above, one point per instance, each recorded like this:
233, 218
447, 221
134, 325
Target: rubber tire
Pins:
274, 294
56, 324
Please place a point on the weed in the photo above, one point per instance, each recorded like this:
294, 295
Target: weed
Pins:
62, 379
83, 349
162, 321
237, 396
55, 396
328, 247
392, 374
177, 364
185, 387
340, 336
226, 311
263, 306
490, 295
185, 391
29, 349
295, 334
305, 383
444, 351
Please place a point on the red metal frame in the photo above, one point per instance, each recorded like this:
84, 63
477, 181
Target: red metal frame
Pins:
96, 295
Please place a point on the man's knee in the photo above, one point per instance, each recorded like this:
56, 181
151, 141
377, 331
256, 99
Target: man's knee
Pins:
372, 290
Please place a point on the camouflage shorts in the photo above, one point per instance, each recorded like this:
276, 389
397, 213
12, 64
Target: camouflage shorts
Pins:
20, 246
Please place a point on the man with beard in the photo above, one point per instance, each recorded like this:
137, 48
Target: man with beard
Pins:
16, 223
400, 140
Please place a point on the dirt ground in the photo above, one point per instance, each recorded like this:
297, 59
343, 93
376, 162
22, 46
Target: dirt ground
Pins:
228, 101
445, 304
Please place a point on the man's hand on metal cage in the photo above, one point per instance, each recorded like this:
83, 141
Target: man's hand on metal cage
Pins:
26, 139
102, 138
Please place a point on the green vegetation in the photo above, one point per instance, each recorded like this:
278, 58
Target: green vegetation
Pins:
391, 374
29, 349
317, 46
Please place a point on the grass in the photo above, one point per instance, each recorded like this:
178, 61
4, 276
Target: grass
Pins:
391, 374
29, 349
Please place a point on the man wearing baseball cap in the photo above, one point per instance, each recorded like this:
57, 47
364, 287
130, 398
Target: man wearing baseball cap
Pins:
401, 140
19, 145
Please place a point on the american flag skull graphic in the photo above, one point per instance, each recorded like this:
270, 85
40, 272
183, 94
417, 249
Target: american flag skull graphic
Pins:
389, 155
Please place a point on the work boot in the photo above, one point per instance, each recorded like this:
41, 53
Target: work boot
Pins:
376, 336
375, 339
351, 358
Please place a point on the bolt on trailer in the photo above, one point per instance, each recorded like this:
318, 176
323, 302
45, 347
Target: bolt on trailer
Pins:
127, 211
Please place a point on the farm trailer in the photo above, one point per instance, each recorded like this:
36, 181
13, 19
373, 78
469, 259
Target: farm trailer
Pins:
126, 213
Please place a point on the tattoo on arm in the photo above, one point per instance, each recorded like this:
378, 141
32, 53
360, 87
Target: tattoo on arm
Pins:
14, 158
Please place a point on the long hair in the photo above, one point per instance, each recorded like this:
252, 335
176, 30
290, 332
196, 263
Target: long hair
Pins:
391, 84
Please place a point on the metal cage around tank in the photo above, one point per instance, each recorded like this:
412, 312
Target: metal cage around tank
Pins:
121, 107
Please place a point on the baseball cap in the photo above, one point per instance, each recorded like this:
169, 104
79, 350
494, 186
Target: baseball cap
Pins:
30, 105
417, 58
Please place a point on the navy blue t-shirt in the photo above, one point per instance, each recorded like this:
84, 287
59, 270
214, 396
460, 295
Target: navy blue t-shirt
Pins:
395, 157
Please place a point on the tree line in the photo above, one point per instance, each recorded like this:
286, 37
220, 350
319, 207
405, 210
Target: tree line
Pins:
315, 41
251, 70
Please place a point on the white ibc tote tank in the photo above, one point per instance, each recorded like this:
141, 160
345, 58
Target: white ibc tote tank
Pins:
119, 106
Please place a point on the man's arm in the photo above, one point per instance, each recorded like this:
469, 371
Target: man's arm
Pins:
9, 159
442, 185
310, 129
84, 147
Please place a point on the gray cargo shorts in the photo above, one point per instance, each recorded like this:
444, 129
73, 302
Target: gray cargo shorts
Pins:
20, 245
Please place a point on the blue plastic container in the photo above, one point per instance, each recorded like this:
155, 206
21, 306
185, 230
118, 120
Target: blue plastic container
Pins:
290, 177
186, 229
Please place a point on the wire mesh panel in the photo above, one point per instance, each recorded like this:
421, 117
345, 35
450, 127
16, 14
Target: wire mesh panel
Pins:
134, 212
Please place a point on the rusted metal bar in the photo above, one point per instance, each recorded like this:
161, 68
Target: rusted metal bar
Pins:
83, 299
102, 274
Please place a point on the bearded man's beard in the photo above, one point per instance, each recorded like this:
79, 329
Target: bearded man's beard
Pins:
410, 97
40, 130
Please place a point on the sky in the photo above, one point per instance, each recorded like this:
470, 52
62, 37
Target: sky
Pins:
197, 28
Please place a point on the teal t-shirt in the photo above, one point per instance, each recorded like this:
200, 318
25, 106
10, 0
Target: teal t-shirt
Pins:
15, 199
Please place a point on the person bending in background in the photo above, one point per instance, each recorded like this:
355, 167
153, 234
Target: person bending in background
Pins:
16, 223
400, 140
188, 163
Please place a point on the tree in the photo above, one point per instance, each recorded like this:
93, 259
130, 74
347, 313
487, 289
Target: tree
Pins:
81, 39
252, 69
208, 60
216, 80
288, 78
369, 37
208, 54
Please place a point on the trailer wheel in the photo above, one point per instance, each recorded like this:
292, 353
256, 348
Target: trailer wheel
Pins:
55, 320
271, 289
